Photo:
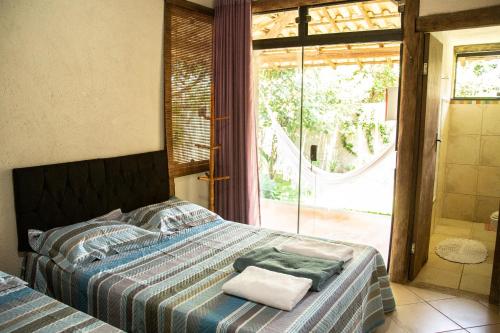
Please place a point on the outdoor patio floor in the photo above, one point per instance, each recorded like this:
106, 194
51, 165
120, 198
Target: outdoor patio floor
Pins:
342, 225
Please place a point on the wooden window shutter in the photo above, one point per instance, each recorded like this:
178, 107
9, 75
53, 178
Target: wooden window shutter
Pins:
188, 60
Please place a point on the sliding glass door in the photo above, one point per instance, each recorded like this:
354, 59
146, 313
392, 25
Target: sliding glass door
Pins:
348, 142
326, 92
278, 99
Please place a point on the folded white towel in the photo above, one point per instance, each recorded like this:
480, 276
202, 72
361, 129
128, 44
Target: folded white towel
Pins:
318, 249
270, 288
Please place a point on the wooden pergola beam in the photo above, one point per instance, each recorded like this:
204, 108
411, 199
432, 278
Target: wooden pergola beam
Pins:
367, 18
380, 52
329, 64
330, 19
474, 18
279, 24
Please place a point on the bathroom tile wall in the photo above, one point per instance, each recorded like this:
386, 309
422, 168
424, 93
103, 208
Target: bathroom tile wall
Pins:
472, 165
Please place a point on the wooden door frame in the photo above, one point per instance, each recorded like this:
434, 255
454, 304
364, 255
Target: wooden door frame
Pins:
407, 144
495, 278
405, 189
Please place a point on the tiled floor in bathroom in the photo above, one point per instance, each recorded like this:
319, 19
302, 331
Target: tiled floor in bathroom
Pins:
474, 278
460, 304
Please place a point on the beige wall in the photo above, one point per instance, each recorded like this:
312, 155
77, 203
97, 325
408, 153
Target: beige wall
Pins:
192, 189
472, 174
79, 79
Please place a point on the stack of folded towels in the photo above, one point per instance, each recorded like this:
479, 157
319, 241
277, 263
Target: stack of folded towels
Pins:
281, 276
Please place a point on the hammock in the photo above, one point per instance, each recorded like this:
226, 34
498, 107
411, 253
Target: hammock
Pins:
290, 154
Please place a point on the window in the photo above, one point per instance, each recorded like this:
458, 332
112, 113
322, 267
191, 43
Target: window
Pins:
477, 75
188, 87
352, 22
352, 17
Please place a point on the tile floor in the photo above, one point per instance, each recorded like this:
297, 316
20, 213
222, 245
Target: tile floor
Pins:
429, 311
343, 225
470, 278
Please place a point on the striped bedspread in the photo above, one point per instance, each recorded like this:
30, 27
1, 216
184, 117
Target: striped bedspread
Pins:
175, 286
23, 309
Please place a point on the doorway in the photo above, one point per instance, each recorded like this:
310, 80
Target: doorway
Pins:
466, 187
327, 118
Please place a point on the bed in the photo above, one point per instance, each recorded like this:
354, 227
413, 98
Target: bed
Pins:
23, 309
175, 285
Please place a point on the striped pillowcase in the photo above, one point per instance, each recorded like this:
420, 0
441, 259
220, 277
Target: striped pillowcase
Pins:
34, 234
83, 243
170, 216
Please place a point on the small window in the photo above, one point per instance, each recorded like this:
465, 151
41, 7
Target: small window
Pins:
477, 75
188, 88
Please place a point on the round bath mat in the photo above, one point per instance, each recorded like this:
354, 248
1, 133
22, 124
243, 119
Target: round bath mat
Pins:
463, 251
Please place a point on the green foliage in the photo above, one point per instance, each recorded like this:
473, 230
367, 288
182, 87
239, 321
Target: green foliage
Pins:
383, 77
334, 114
383, 133
278, 188
270, 159
347, 133
478, 77
369, 129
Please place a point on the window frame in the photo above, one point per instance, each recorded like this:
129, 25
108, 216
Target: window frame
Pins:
465, 54
178, 169
304, 39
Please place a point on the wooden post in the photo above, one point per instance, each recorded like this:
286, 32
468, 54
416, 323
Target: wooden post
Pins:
214, 147
407, 144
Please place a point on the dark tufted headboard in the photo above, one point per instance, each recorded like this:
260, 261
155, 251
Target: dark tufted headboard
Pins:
56, 195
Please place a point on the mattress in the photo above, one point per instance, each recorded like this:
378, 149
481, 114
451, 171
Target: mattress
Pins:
23, 309
175, 286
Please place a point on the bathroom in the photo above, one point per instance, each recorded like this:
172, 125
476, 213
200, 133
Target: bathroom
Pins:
467, 185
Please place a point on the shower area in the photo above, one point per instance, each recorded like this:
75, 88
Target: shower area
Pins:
467, 188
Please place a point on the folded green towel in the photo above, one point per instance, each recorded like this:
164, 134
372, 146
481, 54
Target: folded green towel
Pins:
316, 269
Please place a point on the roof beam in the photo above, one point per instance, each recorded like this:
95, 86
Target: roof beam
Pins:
481, 17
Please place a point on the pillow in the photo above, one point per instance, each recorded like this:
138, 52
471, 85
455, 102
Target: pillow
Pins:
34, 234
83, 243
170, 216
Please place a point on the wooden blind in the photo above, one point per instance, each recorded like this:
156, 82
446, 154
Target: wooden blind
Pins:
188, 87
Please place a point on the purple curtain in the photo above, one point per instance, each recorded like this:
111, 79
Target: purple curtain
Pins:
236, 199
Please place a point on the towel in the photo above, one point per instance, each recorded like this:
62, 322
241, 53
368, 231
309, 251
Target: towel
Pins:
318, 270
274, 289
318, 249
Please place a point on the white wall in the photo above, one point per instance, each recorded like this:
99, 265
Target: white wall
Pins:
192, 189
430, 7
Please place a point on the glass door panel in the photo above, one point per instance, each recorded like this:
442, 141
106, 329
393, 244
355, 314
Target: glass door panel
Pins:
348, 142
278, 90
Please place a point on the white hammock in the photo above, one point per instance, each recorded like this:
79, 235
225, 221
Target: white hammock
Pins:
290, 154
